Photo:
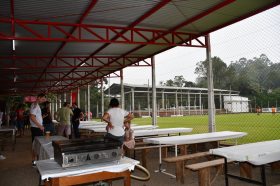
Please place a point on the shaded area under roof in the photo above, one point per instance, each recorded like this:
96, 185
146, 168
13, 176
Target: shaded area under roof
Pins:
62, 45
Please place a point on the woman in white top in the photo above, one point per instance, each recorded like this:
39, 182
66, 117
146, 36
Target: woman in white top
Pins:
116, 117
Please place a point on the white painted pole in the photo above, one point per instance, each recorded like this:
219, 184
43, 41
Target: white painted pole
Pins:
154, 94
211, 103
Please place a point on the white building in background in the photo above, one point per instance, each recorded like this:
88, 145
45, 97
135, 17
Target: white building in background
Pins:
236, 104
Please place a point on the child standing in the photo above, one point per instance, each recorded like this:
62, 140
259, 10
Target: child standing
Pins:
129, 141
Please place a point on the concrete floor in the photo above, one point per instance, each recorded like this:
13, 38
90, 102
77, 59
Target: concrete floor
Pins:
16, 170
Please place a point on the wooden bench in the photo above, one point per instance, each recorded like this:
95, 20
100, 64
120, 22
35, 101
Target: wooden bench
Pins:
204, 170
144, 148
180, 163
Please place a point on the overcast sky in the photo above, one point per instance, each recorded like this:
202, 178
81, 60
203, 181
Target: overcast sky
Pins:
249, 38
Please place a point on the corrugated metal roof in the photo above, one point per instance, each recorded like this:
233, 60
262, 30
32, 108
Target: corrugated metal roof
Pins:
59, 44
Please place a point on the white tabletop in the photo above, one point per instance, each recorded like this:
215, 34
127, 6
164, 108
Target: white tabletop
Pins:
195, 138
259, 153
92, 123
140, 127
165, 131
50, 169
42, 146
8, 129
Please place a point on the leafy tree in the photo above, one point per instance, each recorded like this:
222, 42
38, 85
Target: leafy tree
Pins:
220, 73
179, 81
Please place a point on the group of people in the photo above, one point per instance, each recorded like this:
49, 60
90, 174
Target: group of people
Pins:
117, 119
67, 116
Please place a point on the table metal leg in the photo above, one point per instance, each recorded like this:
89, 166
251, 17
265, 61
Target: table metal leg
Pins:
226, 172
160, 163
263, 175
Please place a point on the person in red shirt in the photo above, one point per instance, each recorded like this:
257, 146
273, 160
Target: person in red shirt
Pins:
20, 119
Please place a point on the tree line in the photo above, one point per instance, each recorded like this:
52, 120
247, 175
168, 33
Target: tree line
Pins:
257, 78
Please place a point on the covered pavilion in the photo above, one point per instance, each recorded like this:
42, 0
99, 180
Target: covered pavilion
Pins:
170, 100
60, 46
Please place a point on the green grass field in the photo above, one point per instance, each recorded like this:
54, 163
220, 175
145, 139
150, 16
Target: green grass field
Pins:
259, 127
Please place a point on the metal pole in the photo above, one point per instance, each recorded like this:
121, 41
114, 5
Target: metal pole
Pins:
122, 89
132, 99
148, 99
78, 97
64, 98
70, 97
88, 100
211, 103
154, 94
102, 97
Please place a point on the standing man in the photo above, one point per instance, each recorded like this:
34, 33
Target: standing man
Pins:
63, 117
77, 115
36, 121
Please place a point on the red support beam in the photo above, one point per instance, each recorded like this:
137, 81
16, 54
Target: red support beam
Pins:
93, 33
132, 25
89, 8
66, 62
187, 22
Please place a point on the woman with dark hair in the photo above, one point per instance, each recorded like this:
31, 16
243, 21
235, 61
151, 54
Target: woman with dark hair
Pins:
116, 117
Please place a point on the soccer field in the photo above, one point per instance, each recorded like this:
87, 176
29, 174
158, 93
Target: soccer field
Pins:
259, 127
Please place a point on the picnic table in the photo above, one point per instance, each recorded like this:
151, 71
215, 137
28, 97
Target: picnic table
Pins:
54, 174
192, 139
43, 148
8, 134
257, 154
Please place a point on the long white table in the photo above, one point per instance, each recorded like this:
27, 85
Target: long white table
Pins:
140, 127
50, 170
165, 131
12, 135
43, 148
192, 139
257, 154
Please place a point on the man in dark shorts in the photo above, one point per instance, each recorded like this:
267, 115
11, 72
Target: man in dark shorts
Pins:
77, 115
36, 121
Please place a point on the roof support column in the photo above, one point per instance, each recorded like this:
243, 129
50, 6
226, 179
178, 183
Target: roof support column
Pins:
148, 100
56, 103
176, 103
132, 99
154, 94
71, 101
102, 97
189, 103
122, 89
59, 100
162, 99
88, 101
211, 103
200, 107
64, 98
220, 101
53, 103
78, 97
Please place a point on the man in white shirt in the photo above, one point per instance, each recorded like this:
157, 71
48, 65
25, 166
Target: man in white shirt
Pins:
36, 120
